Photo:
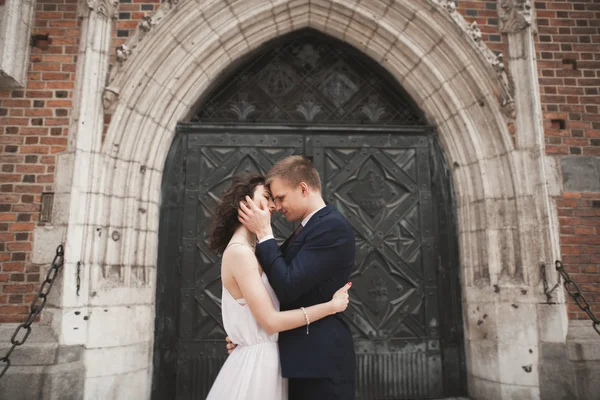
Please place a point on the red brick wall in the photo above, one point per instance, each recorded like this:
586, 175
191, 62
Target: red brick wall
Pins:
33, 129
569, 31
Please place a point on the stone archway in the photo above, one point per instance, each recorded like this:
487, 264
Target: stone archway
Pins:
309, 94
504, 231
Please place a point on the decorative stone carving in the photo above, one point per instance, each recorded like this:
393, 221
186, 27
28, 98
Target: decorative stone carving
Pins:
143, 28
448, 5
107, 8
522, 8
474, 31
495, 60
109, 97
515, 15
123, 52
146, 24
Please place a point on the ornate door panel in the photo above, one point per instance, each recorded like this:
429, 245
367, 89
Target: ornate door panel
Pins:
211, 161
381, 183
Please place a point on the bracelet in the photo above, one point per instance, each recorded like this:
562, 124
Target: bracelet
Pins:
306, 318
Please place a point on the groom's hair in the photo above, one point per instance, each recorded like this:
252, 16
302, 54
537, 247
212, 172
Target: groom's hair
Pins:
295, 169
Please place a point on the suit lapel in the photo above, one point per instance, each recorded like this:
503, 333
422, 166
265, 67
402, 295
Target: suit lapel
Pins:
311, 222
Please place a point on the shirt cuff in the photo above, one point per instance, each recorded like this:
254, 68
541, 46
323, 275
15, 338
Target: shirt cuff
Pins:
266, 238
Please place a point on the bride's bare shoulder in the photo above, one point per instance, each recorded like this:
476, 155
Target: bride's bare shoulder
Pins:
237, 253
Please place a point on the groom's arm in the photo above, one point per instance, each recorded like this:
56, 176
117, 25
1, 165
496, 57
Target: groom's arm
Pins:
321, 256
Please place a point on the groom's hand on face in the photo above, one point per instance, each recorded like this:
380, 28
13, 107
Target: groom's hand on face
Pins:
256, 219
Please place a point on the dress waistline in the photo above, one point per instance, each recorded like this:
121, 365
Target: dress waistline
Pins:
243, 346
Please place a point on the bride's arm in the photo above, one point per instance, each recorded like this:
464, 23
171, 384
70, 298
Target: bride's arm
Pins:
246, 273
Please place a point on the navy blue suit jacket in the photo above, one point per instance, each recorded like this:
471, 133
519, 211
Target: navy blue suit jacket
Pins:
306, 271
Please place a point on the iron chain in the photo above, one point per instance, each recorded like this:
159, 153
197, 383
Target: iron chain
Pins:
547, 291
575, 292
36, 307
78, 276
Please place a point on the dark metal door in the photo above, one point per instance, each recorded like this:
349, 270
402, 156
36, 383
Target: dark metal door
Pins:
212, 158
381, 180
382, 184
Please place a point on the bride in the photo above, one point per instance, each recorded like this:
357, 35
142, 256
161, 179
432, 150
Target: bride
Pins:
250, 308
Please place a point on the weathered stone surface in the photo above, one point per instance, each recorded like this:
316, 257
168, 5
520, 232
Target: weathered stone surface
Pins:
15, 31
63, 382
21, 383
53, 382
553, 320
133, 385
46, 239
583, 342
581, 174
69, 354
32, 353
120, 326
117, 360
583, 350
586, 380
41, 368
39, 349
556, 373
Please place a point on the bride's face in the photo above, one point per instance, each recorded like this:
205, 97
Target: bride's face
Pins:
262, 194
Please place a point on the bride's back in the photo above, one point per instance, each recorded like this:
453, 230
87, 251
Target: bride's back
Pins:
238, 321
252, 371
227, 268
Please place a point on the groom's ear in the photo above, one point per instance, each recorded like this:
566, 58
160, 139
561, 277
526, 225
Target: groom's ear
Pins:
303, 188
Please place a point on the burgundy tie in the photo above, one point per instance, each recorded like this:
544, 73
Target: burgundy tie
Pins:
298, 229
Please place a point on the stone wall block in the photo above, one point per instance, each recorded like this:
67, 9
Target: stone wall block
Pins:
120, 326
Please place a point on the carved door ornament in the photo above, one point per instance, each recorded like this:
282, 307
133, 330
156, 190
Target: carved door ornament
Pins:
310, 79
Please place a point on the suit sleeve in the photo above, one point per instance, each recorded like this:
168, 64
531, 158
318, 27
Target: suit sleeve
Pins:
323, 254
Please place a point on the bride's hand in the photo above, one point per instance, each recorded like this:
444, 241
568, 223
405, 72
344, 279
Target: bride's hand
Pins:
341, 298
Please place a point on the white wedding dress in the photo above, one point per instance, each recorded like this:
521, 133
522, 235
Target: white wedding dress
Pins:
252, 371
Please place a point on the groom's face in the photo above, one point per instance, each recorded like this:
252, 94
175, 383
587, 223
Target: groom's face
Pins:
289, 200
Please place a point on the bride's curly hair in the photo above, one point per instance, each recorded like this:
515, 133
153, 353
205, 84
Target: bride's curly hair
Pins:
225, 222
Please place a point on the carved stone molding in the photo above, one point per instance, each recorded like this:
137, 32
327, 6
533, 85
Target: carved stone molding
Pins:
471, 30
515, 15
144, 27
106, 8
495, 60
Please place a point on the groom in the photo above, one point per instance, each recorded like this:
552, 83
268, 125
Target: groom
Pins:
318, 359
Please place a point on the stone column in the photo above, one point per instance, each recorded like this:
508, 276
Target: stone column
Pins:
517, 23
75, 167
75, 173
15, 30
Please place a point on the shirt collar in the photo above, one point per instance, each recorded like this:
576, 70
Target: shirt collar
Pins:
308, 217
